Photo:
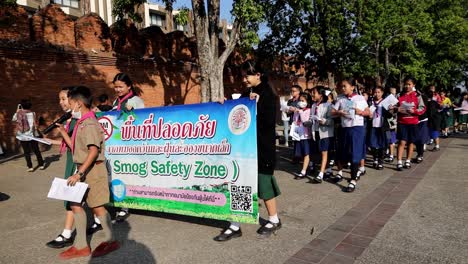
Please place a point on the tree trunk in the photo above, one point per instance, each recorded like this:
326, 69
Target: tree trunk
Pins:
387, 67
331, 80
377, 64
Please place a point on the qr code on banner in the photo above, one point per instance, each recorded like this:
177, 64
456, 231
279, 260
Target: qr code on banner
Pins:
241, 198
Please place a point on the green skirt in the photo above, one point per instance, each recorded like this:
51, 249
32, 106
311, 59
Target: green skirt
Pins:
267, 187
70, 168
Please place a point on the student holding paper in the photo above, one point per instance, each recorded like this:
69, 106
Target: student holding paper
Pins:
25, 121
411, 106
66, 238
323, 128
87, 146
377, 138
352, 108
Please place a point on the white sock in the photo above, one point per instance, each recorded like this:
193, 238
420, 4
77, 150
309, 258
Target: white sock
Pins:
408, 161
303, 172
340, 173
362, 169
400, 162
391, 156
234, 226
274, 218
437, 146
320, 175
66, 234
96, 220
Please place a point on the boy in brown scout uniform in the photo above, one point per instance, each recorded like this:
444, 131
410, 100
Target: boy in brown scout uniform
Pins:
87, 145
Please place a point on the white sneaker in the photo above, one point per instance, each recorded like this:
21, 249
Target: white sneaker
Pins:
30, 169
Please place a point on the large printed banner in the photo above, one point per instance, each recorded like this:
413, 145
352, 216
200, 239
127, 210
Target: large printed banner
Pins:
198, 160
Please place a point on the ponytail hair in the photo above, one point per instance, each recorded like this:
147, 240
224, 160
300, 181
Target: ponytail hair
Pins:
123, 77
323, 92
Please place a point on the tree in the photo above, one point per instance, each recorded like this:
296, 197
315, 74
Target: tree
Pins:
448, 52
206, 17
389, 38
317, 31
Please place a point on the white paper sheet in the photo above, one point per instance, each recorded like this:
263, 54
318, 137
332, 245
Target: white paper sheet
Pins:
388, 101
61, 191
25, 137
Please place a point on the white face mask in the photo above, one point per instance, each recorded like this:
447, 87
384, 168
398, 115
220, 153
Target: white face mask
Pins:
76, 115
302, 104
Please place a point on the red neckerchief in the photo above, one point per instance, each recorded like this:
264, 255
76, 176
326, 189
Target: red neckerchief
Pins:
299, 119
351, 96
376, 107
90, 114
63, 146
120, 101
316, 107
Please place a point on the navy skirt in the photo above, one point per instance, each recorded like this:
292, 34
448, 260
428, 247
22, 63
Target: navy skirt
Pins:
424, 135
302, 148
377, 138
352, 145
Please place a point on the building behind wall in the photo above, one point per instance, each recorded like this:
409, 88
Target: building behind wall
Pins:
74, 8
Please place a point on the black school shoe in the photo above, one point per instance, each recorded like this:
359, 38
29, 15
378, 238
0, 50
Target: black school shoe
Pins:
66, 242
122, 217
225, 237
93, 229
264, 230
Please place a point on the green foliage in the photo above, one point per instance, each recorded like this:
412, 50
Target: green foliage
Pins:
249, 14
182, 18
8, 3
382, 39
123, 8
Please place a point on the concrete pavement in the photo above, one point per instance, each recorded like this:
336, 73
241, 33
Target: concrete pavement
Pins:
28, 220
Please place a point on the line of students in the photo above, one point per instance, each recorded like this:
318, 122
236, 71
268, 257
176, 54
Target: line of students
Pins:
324, 129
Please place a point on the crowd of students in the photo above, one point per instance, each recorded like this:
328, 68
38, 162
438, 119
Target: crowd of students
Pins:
344, 125
325, 127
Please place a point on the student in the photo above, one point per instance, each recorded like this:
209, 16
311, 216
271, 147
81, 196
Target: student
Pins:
434, 119
377, 139
127, 100
284, 116
296, 90
128, 96
352, 109
391, 134
410, 107
423, 137
104, 104
268, 190
66, 238
87, 146
464, 111
322, 128
25, 121
447, 114
302, 133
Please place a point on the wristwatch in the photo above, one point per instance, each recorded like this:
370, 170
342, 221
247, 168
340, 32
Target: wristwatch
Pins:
81, 174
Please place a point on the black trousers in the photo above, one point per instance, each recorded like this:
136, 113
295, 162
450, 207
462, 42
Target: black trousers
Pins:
27, 147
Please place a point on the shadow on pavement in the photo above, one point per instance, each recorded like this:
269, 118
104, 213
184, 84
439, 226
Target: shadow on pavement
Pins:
4, 197
130, 251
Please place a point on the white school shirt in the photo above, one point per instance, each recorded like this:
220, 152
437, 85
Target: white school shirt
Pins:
348, 104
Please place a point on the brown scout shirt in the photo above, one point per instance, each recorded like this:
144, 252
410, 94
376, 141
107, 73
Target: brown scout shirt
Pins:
89, 133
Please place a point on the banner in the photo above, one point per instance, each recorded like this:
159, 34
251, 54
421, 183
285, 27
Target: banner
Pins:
198, 160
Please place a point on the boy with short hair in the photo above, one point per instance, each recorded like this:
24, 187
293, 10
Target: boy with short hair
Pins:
87, 145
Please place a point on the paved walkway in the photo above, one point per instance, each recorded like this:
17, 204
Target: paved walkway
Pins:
410, 217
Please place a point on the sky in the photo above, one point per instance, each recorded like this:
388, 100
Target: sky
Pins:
226, 6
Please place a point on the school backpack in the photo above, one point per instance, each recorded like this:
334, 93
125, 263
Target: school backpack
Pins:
22, 124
